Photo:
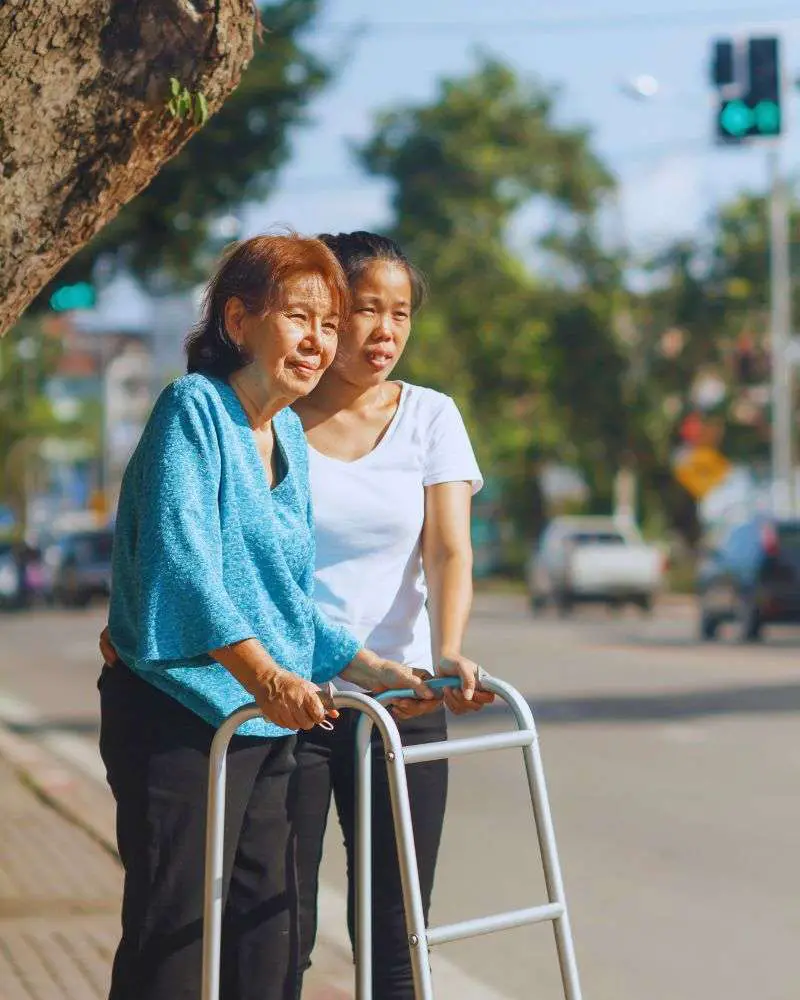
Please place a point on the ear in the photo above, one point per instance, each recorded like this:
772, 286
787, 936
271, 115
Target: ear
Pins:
234, 314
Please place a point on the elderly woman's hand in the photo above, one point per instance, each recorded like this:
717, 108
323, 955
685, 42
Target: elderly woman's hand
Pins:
289, 701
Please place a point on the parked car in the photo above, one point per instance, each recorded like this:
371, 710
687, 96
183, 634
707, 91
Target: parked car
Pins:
593, 559
22, 575
11, 582
750, 575
80, 563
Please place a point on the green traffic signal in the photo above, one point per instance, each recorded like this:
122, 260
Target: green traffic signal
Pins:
738, 119
80, 296
767, 117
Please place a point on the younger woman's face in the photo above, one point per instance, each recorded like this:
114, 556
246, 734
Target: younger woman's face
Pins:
376, 333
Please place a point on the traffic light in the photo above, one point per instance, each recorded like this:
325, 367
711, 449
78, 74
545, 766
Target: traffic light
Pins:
748, 79
765, 86
80, 296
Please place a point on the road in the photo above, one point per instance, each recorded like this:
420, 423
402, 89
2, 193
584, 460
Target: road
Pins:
673, 771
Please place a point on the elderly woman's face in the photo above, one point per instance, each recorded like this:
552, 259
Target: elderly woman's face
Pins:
292, 344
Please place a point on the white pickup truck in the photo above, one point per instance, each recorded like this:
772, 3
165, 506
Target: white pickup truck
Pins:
593, 559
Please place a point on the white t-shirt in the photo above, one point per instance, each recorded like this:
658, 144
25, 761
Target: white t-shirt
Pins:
369, 515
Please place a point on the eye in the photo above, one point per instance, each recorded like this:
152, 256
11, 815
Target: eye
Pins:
366, 310
402, 314
331, 328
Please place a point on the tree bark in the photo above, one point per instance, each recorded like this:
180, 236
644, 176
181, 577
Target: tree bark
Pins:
84, 124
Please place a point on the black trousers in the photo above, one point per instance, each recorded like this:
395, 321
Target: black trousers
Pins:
325, 768
156, 757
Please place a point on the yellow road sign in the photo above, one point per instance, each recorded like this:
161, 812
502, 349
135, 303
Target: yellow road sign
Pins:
701, 470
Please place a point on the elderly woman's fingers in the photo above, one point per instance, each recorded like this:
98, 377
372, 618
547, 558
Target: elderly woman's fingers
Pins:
290, 701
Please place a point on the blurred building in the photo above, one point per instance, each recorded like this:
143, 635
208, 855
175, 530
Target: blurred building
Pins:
117, 357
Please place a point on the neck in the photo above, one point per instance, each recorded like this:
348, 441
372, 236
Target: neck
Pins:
258, 403
333, 394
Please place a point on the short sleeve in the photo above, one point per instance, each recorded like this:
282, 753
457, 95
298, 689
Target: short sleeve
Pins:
449, 455
184, 610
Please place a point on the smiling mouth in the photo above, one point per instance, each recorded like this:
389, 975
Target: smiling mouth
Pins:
380, 359
303, 368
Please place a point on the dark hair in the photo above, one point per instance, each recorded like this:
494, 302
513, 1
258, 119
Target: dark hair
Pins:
255, 271
356, 251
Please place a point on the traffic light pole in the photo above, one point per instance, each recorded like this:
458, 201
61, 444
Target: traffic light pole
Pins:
783, 473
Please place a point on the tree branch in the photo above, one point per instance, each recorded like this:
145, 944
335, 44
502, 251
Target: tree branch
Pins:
83, 119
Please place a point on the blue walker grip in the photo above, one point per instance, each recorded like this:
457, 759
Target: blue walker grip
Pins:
435, 683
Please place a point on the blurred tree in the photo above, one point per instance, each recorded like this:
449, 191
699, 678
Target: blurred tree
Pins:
550, 354
463, 168
235, 157
715, 290
27, 416
85, 121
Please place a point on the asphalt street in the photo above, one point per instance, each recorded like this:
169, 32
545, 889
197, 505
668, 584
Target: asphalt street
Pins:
673, 769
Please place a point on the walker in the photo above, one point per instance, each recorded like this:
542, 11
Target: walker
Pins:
398, 757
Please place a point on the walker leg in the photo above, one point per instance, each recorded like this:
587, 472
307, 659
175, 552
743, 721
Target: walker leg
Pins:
363, 860
545, 833
552, 870
215, 834
215, 838
406, 852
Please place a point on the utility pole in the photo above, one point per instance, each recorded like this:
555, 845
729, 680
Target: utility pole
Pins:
780, 337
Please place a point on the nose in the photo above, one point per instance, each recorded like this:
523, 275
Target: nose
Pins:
312, 342
383, 327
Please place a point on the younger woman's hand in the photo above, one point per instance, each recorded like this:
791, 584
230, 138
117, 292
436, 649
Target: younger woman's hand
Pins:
107, 651
470, 697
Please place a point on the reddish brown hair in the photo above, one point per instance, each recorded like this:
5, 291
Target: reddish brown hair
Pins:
256, 271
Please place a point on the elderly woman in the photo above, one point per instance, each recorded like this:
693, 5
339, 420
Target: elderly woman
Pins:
211, 608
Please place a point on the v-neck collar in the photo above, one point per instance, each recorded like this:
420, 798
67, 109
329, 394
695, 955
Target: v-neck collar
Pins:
388, 434
237, 413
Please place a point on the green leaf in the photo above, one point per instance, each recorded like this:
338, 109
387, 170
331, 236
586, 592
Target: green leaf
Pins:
185, 104
175, 85
200, 109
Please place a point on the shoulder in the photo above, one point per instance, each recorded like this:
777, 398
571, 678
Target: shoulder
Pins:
190, 393
195, 391
431, 411
425, 403
187, 409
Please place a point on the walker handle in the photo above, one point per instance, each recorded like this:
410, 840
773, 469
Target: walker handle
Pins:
435, 683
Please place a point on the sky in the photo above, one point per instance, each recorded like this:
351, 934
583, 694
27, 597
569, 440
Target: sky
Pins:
671, 175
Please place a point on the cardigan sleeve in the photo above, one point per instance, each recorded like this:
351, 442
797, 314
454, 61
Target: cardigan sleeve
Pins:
184, 610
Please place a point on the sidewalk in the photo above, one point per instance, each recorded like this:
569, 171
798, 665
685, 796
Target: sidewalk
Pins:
59, 892
60, 884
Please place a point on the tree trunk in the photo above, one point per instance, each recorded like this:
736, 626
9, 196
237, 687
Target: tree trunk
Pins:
84, 124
